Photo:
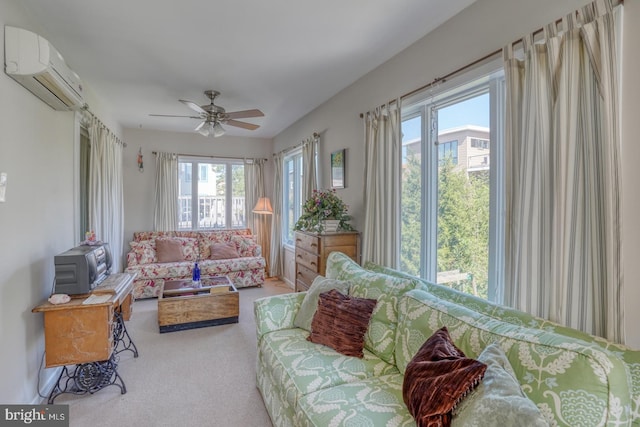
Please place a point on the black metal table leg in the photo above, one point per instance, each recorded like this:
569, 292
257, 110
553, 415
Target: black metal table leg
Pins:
122, 339
88, 378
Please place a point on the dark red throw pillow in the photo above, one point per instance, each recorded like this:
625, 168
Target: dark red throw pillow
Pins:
341, 321
437, 378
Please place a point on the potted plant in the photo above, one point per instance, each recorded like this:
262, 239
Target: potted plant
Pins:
323, 212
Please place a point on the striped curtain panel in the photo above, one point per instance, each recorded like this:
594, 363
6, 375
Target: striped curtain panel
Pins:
165, 214
563, 230
381, 235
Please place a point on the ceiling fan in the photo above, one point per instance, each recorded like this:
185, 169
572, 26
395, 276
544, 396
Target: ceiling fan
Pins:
213, 116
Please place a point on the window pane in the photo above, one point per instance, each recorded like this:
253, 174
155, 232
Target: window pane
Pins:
220, 189
238, 212
292, 195
411, 227
463, 195
184, 198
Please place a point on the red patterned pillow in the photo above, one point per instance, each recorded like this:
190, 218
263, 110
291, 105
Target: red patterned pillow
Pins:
341, 321
246, 245
144, 251
437, 378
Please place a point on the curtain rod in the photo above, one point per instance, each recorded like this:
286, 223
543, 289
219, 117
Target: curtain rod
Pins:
476, 62
315, 135
213, 157
85, 108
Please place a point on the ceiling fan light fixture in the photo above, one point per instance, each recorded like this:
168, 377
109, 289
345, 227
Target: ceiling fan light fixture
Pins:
217, 130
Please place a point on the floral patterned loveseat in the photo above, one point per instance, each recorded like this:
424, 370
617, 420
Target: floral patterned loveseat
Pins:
245, 271
572, 381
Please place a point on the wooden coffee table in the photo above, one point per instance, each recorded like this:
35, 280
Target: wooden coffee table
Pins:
181, 306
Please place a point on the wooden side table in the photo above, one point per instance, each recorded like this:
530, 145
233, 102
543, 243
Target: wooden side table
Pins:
88, 336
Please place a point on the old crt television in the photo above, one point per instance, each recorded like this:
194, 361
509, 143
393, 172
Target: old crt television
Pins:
82, 268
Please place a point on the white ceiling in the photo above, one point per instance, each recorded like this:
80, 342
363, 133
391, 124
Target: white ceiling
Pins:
284, 57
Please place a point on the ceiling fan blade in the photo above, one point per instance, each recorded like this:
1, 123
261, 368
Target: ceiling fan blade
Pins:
244, 114
195, 107
200, 126
171, 115
243, 125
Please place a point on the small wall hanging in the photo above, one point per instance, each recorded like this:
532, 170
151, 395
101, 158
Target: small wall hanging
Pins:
140, 163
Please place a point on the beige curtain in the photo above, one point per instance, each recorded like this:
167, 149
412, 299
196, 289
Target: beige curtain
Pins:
381, 234
260, 224
165, 215
276, 260
309, 167
563, 231
106, 200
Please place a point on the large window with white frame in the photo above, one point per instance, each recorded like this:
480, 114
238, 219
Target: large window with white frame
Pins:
211, 193
292, 194
451, 197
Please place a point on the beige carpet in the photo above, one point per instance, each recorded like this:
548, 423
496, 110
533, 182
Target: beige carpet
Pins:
198, 377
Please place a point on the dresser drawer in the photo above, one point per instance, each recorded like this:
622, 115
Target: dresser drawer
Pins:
301, 286
308, 259
305, 275
307, 242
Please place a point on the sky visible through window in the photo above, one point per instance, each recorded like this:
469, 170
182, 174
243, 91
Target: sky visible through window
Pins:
474, 111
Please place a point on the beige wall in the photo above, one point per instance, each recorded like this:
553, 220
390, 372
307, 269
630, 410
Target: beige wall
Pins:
480, 29
36, 221
139, 186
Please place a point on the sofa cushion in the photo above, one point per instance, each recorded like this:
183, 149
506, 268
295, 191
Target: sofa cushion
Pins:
341, 321
437, 378
498, 401
223, 251
374, 401
246, 245
310, 302
572, 382
299, 367
206, 238
381, 335
144, 252
176, 249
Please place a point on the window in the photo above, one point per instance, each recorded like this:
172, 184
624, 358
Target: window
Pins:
450, 219
204, 173
292, 194
448, 151
219, 189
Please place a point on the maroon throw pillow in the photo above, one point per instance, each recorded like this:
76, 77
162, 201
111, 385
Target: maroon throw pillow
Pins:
223, 251
437, 378
169, 250
341, 321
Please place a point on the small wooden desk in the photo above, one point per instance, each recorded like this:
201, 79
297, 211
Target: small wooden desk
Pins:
89, 335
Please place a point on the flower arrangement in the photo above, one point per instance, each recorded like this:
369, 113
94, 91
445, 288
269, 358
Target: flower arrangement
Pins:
321, 206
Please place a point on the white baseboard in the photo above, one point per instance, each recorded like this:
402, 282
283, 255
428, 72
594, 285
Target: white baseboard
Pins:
47, 386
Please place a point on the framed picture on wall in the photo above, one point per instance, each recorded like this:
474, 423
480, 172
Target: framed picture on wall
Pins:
338, 169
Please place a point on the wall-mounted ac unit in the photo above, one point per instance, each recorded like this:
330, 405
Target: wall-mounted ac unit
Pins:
34, 63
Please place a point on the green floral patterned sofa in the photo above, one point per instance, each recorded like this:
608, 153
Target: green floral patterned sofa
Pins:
574, 379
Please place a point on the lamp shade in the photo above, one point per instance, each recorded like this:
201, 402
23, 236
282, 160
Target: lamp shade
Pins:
263, 206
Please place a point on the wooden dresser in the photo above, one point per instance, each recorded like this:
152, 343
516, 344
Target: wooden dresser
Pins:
312, 250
